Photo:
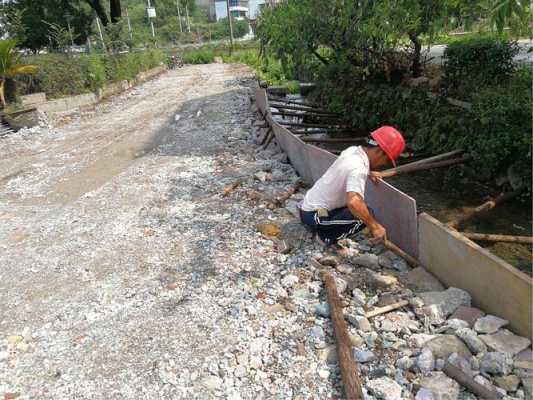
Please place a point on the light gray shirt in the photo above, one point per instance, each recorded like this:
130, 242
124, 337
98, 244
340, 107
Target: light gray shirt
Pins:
347, 174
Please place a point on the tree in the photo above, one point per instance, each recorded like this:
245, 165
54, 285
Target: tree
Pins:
10, 66
29, 21
115, 12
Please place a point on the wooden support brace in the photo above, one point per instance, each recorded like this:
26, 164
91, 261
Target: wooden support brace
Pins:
333, 140
269, 139
395, 249
404, 169
386, 309
464, 380
267, 133
483, 208
349, 370
303, 125
486, 237
302, 108
304, 114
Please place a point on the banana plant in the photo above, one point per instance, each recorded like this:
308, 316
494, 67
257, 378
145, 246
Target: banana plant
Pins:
10, 66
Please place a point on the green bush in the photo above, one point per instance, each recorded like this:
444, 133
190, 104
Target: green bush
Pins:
61, 75
201, 56
502, 136
478, 61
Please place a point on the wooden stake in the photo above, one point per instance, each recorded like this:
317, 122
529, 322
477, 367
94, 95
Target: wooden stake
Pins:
333, 140
267, 133
483, 208
302, 108
479, 390
395, 249
419, 167
486, 237
386, 309
304, 114
288, 101
302, 125
349, 371
436, 158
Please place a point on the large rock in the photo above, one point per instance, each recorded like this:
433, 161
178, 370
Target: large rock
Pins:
420, 280
496, 363
440, 386
506, 342
420, 339
447, 301
489, 324
461, 363
363, 356
509, 382
443, 346
524, 359
366, 260
468, 314
397, 321
425, 361
527, 382
473, 342
381, 281
385, 389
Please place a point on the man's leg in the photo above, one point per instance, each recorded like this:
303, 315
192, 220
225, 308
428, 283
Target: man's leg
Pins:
339, 224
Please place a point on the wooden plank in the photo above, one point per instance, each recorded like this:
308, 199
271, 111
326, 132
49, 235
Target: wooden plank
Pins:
296, 151
396, 211
261, 101
349, 369
495, 286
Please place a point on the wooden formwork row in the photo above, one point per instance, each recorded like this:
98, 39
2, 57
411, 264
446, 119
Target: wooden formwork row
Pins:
495, 285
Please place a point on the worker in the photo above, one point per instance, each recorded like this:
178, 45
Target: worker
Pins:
334, 208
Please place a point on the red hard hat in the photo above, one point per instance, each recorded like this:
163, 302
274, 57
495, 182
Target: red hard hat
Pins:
390, 141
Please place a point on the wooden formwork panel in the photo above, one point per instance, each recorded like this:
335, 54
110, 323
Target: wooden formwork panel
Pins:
396, 211
261, 100
296, 151
495, 286
319, 161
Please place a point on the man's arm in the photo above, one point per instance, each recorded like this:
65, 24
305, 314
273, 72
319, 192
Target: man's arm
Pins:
358, 208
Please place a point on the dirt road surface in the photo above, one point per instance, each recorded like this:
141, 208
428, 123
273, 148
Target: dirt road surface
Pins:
124, 274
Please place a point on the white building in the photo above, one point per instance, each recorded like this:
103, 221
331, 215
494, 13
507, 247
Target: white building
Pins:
239, 9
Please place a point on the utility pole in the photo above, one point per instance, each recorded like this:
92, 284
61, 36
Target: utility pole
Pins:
230, 28
129, 24
151, 20
70, 33
101, 35
179, 15
188, 20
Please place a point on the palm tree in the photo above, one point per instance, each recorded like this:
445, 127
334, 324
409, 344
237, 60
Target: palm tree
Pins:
10, 66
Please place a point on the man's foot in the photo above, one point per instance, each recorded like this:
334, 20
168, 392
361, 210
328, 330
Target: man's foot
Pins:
320, 241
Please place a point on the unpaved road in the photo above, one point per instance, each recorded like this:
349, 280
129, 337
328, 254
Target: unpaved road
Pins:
123, 272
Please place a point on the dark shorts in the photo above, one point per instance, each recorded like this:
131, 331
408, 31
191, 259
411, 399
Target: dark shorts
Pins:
339, 224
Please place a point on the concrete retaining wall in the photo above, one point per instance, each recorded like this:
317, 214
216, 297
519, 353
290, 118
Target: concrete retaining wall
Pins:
89, 99
495, 286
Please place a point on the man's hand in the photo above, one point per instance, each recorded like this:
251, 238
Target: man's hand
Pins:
378, 232
358, 208
375, 176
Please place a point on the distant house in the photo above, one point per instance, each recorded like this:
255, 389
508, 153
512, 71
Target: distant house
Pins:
239, 9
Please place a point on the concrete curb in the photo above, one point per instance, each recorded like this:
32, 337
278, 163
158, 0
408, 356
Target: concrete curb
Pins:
88, 99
